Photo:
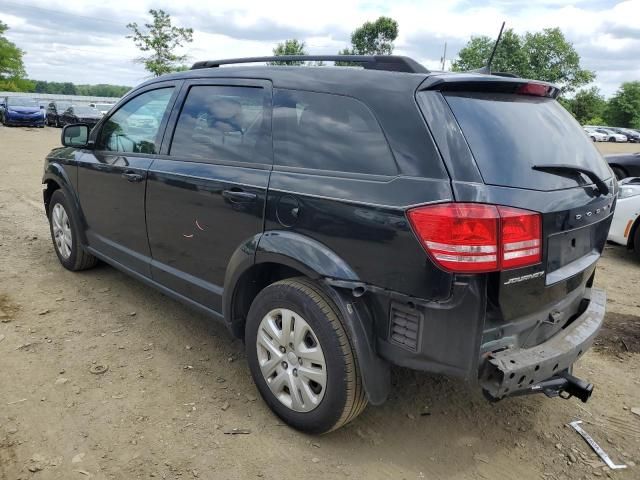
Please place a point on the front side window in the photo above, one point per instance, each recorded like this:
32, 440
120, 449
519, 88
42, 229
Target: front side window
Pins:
328, 132
135, 126
223, 123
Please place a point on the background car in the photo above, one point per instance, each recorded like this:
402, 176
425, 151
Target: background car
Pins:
103, 108
81, 114
624, 165
632, 135
55, 111
22, 111
595, 136
611, 135
625, 228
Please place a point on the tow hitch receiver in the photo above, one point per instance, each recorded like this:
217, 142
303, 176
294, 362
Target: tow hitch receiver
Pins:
563, 385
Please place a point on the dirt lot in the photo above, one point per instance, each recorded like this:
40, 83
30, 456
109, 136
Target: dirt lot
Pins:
176, 382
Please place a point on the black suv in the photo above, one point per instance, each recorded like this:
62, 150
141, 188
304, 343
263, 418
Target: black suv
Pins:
54, 113
343, 219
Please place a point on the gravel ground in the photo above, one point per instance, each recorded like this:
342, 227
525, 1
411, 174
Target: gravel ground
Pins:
102, 377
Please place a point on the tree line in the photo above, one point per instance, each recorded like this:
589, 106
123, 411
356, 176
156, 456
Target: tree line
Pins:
544, 55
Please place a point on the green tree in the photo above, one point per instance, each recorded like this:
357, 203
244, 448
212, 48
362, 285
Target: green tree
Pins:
586, 105
623, 109
545, 55
160, 39
12, 71
372, 38
289, 47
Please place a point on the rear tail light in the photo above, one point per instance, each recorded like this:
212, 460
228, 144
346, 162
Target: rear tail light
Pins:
474, 237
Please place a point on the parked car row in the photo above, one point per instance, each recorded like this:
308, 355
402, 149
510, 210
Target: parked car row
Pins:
60, 114
612, 134
26, 111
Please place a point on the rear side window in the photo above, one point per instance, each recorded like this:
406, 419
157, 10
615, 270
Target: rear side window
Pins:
219, 123
509, 134
328, 132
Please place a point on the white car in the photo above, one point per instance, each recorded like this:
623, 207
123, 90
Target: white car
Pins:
611, 135
595, 136
625, 227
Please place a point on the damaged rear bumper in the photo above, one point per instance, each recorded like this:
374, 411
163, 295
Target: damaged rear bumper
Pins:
519, 371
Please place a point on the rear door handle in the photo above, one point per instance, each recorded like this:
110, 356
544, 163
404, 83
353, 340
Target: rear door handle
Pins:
133, 177
239, 196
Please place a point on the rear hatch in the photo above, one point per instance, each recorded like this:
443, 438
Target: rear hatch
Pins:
522, 149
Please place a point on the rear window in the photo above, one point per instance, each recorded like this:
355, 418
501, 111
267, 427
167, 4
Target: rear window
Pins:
328, 132
508, 134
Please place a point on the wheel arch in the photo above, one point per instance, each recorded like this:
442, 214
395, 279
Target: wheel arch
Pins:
277, 255
619, 167
632, 234
56, 178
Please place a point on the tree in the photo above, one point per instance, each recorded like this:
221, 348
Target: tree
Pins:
623, 109
12, 71
289, 47
372, 38
586, 105
545, 55
161, 39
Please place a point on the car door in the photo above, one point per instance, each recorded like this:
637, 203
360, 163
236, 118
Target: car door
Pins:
206, 193
112, 176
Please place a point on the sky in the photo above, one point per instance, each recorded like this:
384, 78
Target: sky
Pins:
84, 41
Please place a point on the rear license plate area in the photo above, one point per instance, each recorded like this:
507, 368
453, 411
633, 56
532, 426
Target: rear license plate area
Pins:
566, 247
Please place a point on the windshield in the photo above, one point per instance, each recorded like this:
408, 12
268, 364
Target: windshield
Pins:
509, 134
22, 102
83, 110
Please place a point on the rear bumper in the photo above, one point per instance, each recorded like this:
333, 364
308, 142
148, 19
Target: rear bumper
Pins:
511, 371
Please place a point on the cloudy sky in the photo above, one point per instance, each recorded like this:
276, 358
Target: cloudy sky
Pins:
84, 41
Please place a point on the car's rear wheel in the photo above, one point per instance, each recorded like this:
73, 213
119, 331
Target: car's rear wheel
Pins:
611, 139
301, 357
65, 233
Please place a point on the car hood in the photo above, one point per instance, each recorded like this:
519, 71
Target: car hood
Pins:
23, 109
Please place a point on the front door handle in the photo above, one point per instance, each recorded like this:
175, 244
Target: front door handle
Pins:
133, 177
239, 196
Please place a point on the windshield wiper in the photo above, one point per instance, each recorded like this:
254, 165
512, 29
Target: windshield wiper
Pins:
562, 168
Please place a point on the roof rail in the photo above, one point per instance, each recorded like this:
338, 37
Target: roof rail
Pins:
393, 63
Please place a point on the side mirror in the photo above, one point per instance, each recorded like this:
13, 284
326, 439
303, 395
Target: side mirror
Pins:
76, 135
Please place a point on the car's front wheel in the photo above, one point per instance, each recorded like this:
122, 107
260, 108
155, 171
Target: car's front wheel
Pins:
636, 241
65, 233
301, 357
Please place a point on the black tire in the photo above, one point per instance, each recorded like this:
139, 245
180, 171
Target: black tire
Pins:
58, 123
78, 258
344, 397
636, 241
619, 173
593, 139
612, 140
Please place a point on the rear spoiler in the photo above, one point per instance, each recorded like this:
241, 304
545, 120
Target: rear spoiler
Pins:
473, 82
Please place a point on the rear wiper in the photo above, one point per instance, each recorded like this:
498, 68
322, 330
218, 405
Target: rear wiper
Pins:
561, 168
